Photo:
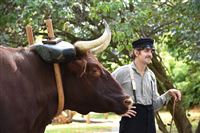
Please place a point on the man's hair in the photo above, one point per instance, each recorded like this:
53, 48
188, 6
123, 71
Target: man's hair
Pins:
132, 54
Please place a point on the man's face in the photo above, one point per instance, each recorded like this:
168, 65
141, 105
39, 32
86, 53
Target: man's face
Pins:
144, 55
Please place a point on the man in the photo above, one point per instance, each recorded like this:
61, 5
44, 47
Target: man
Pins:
140, 83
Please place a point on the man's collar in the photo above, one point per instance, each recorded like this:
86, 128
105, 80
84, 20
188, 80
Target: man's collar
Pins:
135, 68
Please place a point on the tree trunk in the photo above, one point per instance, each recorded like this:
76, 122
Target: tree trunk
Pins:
181, 121
164, 83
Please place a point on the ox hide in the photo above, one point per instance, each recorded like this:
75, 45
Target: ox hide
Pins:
28, 94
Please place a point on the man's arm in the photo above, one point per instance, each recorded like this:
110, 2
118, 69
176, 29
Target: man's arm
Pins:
160, 101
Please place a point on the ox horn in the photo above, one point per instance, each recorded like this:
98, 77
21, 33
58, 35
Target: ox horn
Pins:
98, 44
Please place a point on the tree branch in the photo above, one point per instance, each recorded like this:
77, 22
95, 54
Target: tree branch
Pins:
161, 125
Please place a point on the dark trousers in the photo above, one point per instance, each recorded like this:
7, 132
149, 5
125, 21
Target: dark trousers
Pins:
143, 122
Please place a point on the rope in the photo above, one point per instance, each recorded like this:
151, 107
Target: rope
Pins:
84, 69
173, 111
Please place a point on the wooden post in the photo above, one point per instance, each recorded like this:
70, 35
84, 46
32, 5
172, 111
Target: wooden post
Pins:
56, 71
29, 34
51, 37
59, 88
50, 29
88, 118
106, 115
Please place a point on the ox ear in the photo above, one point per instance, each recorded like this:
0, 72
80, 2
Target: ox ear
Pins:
99, 43
78, 67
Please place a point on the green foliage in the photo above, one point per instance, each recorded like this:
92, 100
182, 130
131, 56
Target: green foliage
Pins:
192, 89
173, 24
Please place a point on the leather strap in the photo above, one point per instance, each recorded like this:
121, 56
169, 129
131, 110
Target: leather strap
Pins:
132, 77
133, 82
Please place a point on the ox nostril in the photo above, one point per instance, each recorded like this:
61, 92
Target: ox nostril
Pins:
128, 101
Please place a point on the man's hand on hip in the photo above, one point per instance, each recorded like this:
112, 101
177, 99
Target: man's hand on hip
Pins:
130, 113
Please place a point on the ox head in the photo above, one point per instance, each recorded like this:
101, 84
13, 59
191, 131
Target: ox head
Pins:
88, 86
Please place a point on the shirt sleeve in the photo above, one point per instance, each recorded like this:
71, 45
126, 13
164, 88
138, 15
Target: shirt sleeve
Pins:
159, 100
119, 74
115, 75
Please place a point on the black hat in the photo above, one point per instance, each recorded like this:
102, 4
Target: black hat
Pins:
143, 43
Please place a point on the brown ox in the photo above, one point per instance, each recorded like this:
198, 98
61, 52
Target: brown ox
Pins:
28, 94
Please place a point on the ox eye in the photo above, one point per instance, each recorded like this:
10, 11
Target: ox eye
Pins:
95, 72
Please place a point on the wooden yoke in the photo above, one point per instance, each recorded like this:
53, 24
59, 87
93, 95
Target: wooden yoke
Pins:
29, 33
51, 40
56, 68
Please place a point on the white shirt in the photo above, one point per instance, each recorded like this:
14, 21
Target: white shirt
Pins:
146, 86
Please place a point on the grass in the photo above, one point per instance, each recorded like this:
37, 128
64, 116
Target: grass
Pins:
193, 116
112, 123
77, 128
99, 125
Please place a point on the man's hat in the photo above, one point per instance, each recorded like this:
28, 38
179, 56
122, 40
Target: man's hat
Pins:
143, 43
